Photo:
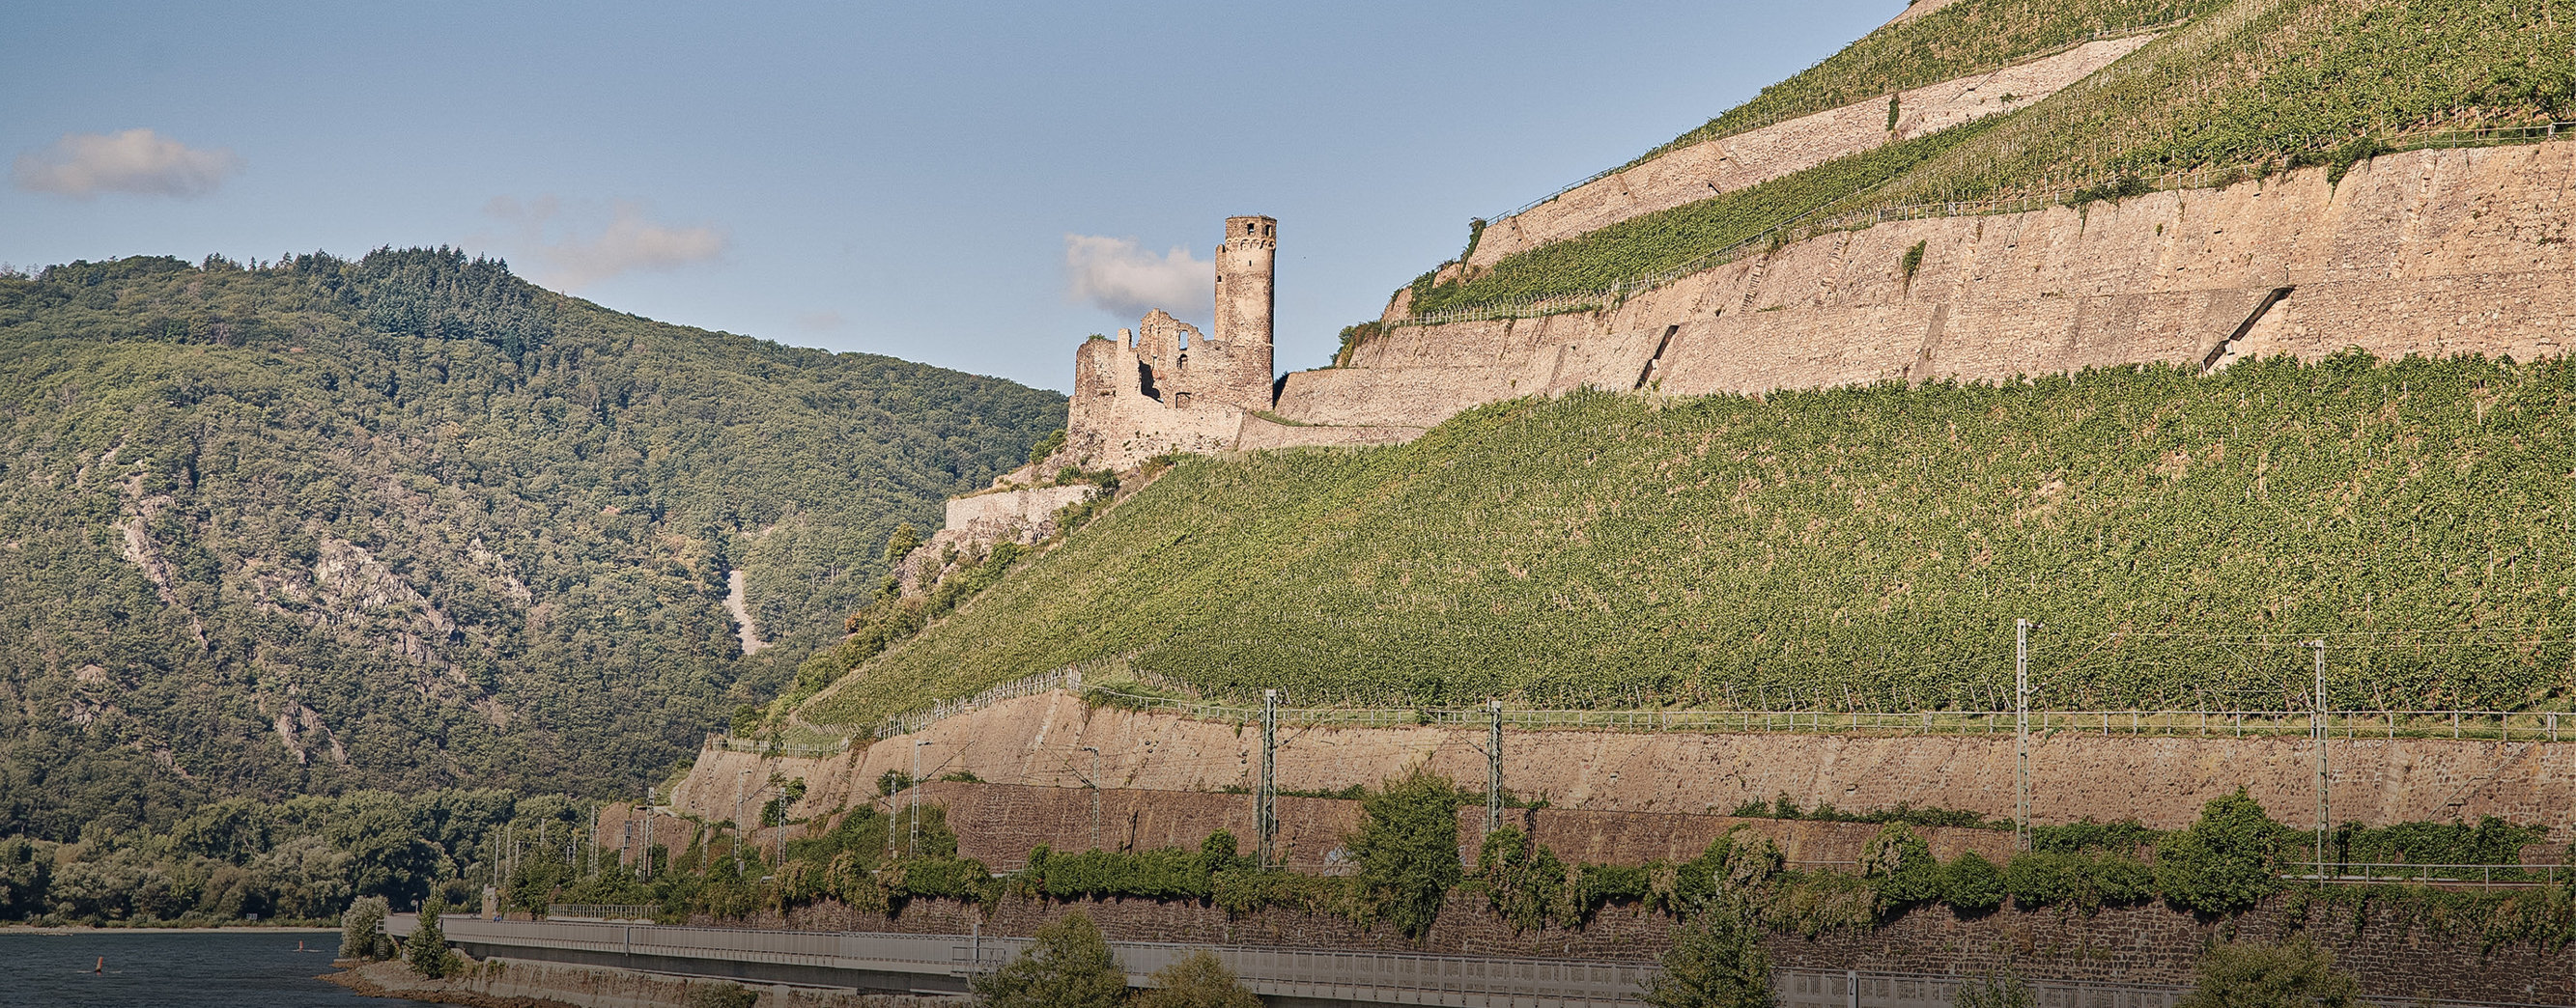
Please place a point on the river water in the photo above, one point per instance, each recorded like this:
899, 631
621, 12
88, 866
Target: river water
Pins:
150, 969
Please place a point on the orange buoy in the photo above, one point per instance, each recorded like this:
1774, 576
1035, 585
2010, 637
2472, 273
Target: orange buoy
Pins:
101, 967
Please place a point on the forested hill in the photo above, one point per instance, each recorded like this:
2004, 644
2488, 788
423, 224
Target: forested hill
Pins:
408, 521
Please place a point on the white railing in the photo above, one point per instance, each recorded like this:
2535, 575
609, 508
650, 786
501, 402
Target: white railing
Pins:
2484, 876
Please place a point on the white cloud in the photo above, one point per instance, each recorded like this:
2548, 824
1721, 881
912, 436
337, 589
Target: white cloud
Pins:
83, 165
1120, 277
629, 243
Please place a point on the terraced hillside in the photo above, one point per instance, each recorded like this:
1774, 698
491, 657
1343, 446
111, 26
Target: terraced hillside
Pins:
2246, 88
1868, 546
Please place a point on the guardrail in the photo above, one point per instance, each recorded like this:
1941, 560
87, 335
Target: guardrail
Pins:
601, 911
2514, 876
2463, 725
921, 962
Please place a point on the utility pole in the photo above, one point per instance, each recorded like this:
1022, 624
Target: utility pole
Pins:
1266, 817
2021, 734
1494, 768
2317, 727
914, 850
1094, 781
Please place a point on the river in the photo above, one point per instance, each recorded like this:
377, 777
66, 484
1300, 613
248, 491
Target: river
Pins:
148, 969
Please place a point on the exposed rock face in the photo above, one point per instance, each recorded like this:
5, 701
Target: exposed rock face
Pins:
975, 524
2163, 780
1726, 164
2438, 253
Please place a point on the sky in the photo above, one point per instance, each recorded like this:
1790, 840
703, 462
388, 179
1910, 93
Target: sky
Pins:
971, 185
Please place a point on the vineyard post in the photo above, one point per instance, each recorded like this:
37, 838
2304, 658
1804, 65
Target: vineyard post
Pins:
2021, 734
1266, 821
914, 850
1494, 769
2317, 718
1094, 782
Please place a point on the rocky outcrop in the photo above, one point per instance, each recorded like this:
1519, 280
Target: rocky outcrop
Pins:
1726, 164
2163, 780
2437, 253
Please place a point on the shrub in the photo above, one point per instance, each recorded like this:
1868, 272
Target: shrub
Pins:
1902, 867
2295, 974
721, 995
1407, 849
427, 949
1068, 966
2227, 861
360, 927
1198, 980
1972, 885
1716, 962
1524, 882
2084, 881
2003, 990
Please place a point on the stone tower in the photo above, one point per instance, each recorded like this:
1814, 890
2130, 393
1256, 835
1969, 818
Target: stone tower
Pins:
1244, 301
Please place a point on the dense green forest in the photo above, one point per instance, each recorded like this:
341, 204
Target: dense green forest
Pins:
408, 522
1867, 547
2247, 87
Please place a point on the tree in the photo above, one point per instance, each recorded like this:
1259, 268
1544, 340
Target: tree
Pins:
2226, 862
359, 927
1197, 981
1068, 966
1716, 962
2294, 974
427, 949
1407, 848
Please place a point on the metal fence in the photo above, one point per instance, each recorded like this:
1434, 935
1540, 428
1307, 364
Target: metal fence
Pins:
1324, 974
601, 911
2464, 725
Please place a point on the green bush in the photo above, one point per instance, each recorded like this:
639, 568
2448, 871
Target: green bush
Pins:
1972, 885
2226, 862
1716, 962
1069, 965
1524, 882
2294, 974
1407, 849
427, 950
1901, 865
1198, 980
362, 927
2084, 881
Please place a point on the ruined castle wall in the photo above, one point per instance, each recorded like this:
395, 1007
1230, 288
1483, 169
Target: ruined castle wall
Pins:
1259, 434
2436, 253
1708, 168
2162, 781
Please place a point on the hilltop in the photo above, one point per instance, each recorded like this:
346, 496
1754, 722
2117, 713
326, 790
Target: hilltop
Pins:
407, 521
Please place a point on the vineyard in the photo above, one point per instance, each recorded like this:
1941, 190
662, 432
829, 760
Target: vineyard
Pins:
2258, 84
1655, 242
2180, 538
1960, 40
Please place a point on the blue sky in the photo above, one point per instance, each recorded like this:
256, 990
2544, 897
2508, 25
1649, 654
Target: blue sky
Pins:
972, 185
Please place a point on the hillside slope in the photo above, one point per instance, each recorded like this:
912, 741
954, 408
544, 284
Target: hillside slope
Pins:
2245, 89
408, 521
1867, 546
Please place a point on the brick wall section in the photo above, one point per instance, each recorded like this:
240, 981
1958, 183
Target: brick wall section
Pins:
2161, 781
2148, 944
999, 824
2437, 253
1710, 167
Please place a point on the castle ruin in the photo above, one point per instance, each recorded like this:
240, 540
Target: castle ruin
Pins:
1165, 386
